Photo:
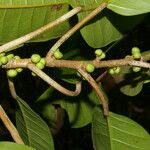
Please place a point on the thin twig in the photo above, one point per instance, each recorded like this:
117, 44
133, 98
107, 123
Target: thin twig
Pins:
9, 125
12, 88
101, 76
74, 29
97, 89
39, 31
53, 83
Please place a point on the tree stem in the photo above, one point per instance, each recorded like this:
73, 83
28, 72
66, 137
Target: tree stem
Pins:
9, 125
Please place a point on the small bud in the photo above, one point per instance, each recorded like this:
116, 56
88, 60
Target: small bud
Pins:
111, 71
33, 74
19, 70
117, 70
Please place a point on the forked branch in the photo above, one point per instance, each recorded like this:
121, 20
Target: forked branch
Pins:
74, 29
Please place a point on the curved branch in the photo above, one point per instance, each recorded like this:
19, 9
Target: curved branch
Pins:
75, 28
39, 31
53, 83
97, 89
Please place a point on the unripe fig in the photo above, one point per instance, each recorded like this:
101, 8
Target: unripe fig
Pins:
89, 68
10, 56
2, 54
43, 61
137, 55
135, 50
103, 55
98, 52
40, 65
35, 58
58, 55
12, 73
17, 57
136, 69
4, 60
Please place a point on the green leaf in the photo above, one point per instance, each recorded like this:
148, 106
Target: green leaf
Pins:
103, 31
31, 3
87, 4
33, 130
79, 108
117, 132
132, 89
49, 112
129, 7
107, 27
13, 146
18, 18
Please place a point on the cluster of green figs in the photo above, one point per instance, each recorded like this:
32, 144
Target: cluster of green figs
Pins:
41, 62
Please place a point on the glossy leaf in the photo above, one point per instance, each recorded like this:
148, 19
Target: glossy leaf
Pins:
117, 132
13, 146
129, 7
25, 16
33, 130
